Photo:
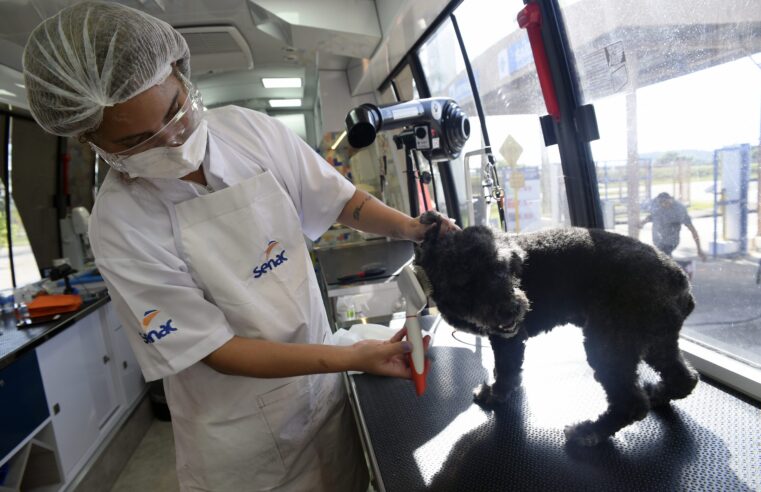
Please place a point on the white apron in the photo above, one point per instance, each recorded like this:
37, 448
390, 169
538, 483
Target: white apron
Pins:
245, 248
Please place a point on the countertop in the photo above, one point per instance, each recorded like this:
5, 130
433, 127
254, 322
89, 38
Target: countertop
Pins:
444, 441
16, 341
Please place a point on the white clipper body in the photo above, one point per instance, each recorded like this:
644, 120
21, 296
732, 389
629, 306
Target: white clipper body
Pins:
416, 300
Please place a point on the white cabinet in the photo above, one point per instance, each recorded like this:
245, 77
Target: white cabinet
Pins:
79, 388
126, 369
91, 380
98, 358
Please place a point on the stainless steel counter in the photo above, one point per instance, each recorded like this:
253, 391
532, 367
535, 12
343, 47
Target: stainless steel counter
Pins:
336, 262
339, 261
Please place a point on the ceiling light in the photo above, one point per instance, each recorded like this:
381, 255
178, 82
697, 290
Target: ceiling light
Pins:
3, 92
281, 82
20, 85
338, 141
285, 103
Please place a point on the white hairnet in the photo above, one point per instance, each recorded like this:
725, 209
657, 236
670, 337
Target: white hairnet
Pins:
92, 55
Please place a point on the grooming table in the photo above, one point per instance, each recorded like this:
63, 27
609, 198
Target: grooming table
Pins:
444, 441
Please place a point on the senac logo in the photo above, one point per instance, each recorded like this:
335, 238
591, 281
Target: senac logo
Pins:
153, 335
270, 261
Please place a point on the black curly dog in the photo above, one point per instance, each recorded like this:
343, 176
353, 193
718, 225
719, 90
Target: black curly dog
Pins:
629, 299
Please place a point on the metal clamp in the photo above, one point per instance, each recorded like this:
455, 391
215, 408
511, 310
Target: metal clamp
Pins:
490, 187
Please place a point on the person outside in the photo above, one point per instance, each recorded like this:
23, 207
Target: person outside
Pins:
668, 216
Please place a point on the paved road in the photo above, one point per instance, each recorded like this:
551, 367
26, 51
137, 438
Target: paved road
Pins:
728, 307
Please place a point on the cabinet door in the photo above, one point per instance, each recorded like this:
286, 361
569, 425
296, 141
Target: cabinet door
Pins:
129, 370
69, 395
99, 361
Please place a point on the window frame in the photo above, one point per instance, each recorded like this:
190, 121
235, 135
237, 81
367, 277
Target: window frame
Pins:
719, 366
8, 117
60, 198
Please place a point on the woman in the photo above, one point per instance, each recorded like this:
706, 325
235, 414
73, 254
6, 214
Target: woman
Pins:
199, 236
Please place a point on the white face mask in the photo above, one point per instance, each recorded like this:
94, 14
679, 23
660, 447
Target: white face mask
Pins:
170, 162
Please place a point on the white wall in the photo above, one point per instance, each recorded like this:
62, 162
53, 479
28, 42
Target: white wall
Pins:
336, 99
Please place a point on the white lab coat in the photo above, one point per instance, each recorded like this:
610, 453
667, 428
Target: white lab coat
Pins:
188, 269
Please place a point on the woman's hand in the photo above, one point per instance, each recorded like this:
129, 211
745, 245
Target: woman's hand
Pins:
414, 229
385, 358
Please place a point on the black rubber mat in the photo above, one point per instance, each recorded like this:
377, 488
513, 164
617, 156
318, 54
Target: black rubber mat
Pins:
443, 441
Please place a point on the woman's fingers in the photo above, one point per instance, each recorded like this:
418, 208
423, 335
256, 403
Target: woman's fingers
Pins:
399, 335
447, 224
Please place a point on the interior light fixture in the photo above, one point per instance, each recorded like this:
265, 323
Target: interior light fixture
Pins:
285, 103
3, 92
20, 85
281, 82
338, 140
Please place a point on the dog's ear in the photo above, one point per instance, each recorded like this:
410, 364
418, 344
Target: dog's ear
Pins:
516, 261
423, 250
419, 254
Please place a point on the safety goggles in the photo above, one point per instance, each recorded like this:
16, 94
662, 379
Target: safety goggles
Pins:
173, 134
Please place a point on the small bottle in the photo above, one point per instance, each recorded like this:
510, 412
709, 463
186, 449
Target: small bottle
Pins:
351, 312
19, 303
22, 311
8, 304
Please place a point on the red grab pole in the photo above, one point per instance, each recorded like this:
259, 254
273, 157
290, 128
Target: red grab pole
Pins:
530, 18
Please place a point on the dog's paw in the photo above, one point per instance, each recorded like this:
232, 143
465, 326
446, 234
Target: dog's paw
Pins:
584, 434
486, 397
656, 395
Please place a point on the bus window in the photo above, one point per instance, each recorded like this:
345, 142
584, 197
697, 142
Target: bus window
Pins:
386, 95
676, 91
391, 160
404, 85
503, 66
445, 74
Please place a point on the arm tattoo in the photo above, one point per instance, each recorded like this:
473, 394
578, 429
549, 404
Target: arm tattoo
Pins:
359, 208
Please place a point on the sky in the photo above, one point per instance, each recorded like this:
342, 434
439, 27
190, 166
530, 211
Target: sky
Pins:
706, 110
